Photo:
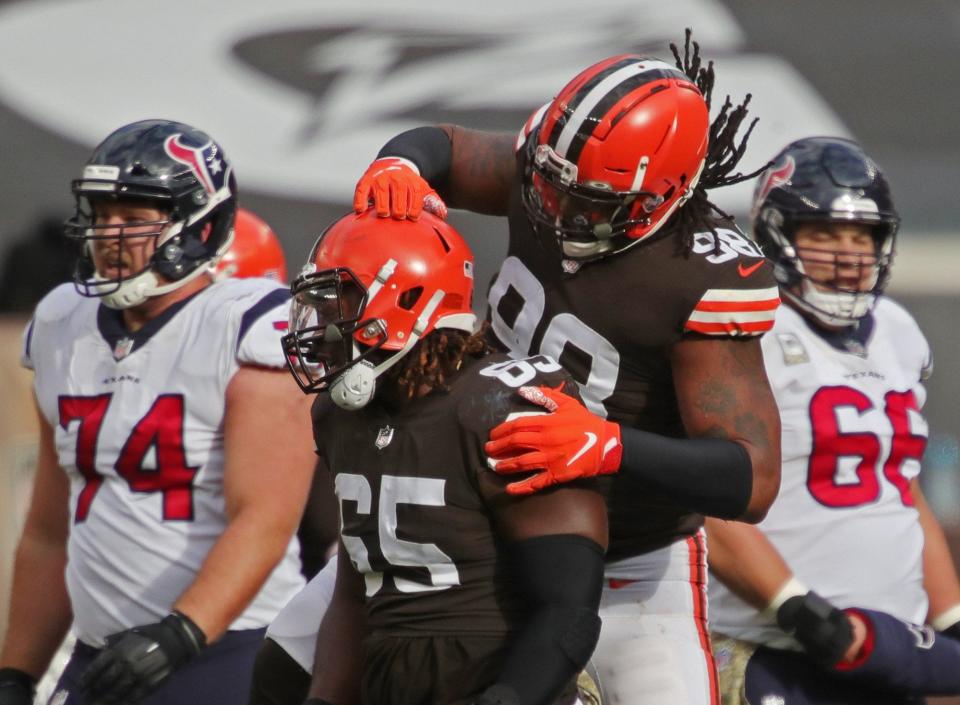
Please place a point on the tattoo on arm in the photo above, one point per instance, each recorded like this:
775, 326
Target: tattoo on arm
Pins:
733, 398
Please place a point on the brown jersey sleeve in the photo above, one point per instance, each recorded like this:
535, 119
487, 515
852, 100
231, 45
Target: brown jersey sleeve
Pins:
740, 296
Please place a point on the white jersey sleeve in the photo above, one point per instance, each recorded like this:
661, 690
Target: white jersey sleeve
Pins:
138, 424
261, 327
58, 305
852, 439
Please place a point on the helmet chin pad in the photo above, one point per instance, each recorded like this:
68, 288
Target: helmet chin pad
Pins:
355, 387
137, 289
129, 293
835, 309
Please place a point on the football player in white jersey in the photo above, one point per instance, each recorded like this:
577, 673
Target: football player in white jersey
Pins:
849, 558
175, 452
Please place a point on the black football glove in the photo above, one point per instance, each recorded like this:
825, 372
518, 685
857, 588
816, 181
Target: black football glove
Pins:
823, 630
16, 687
136, 661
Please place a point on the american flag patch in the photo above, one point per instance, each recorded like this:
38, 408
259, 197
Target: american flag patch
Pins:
734, 312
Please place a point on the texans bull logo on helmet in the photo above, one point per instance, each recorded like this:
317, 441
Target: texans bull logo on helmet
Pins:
203, 161
774, 177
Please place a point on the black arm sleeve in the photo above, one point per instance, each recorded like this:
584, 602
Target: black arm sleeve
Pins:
711, 476
561, 577
427, 147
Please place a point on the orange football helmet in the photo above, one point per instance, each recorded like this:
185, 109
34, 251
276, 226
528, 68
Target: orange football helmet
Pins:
254, 252
618, 150
374, 284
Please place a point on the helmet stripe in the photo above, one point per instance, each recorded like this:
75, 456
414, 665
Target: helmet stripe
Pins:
592, 110
572, 102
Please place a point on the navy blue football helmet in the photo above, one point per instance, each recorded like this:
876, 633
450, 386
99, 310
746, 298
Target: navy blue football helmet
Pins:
175, 168
824, 179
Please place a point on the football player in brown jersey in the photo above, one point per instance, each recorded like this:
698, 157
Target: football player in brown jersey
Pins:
620, 268
449, 589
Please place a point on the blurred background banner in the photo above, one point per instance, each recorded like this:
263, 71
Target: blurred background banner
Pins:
302, 93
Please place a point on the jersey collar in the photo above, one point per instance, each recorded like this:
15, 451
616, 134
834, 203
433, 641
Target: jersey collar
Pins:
849, 339
121, 341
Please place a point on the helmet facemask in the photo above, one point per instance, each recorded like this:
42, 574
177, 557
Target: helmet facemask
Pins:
587, 220
117, 247
324, 326
837, 288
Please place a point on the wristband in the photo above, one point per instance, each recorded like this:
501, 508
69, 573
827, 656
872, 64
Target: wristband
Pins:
946, 619
18, 676
196, 638
791, 588
429, 148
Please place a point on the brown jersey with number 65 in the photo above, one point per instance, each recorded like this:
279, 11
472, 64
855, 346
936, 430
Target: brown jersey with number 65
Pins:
414, 521
421, 532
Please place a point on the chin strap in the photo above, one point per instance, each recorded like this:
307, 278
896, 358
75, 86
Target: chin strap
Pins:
138, 289
356, 386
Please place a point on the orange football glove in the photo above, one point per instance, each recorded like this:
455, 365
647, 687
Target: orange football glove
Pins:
397, 190
567, 443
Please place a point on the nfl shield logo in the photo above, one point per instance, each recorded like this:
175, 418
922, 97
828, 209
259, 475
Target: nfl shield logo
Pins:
122, 348
570, 266
384, 437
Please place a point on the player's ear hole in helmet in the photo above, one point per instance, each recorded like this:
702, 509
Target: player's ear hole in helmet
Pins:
177, 170
373, 291
828, 184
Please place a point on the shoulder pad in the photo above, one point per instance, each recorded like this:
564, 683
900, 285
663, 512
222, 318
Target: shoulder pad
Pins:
60, 303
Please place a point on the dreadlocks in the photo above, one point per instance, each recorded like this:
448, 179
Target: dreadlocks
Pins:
433, 362
723, 150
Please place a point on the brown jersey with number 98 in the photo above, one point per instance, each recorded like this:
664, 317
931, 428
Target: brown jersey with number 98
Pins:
610, 323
